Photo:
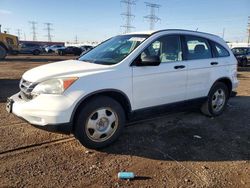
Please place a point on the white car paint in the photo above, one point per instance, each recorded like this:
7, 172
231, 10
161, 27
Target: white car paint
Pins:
143, 86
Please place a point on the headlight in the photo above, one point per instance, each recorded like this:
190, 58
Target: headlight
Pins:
53, 86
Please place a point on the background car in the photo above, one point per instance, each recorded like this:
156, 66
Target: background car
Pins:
85, 49
53, 48
69, 50
242, 55
30, 48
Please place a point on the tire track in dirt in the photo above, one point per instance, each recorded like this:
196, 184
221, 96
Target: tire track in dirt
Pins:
35, 146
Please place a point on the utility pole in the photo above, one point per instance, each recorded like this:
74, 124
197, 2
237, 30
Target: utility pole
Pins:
18, 33
7, 30
48, 28
24, 35
223, 33
248, 30
33, 28
128, 15
76, 39
152, 18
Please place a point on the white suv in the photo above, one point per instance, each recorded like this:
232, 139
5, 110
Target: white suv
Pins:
94, 96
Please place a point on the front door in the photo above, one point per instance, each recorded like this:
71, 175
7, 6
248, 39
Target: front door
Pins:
162, 84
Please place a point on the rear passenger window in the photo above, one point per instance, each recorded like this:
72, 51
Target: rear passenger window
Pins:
220, 51
197, 48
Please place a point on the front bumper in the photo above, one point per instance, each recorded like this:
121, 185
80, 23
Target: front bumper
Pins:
45, 111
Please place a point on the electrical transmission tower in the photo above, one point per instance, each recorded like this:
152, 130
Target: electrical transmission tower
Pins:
76, 40
152, 18
33, 27
18, 33
248, 30
128, 15
24, 35
48, 28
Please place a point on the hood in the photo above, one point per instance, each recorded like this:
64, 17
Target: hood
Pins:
61, 69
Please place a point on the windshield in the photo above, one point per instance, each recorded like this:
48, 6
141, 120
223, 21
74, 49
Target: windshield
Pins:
113, 50
239, 51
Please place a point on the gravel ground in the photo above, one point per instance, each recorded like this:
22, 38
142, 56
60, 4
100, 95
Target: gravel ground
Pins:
183, 149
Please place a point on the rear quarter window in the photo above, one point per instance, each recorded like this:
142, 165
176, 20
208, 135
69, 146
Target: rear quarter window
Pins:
219, 50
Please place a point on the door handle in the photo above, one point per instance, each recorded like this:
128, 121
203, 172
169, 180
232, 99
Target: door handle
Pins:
214, 63
179, 67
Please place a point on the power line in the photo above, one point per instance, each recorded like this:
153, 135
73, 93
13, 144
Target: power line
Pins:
152, 18
19, 33
33, 28
128, 15
48, 28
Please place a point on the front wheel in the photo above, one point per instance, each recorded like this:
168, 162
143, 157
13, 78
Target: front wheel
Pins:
216, 101
3, 53
99, 122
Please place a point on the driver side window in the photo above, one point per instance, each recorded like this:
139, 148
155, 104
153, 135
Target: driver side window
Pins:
167, 48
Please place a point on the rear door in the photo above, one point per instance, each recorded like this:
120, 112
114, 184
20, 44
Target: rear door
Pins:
198, 54
163, 84
207, 62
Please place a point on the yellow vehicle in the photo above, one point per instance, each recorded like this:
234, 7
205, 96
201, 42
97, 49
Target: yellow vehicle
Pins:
9, 44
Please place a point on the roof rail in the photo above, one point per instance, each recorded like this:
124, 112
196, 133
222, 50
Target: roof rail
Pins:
183, 30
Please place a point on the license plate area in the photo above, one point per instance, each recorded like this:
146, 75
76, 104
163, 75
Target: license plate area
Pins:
9, 105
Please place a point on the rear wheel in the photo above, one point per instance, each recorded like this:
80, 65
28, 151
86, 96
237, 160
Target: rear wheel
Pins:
61, 53
217, 100
36, 52
99, 122
244, 62
3, 53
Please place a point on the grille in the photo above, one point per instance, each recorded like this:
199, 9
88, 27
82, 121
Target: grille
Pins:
26, 88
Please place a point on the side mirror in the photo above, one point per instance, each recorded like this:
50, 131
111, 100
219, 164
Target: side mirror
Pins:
149, 61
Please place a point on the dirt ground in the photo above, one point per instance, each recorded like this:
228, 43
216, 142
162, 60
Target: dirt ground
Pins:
184, 149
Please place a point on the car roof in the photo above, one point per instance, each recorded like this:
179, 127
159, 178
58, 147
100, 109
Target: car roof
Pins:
182, 31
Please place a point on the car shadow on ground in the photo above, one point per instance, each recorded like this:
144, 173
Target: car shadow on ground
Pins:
191, 136
8, 88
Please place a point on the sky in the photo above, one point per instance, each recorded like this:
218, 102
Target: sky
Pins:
97, 20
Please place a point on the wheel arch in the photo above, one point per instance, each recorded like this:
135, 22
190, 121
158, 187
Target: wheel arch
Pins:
117, 95
227, 82
4, 46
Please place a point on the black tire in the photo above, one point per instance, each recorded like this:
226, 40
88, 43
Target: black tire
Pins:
36, 52
61, 53
89, 110
208, 108
244, 62
3, 53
